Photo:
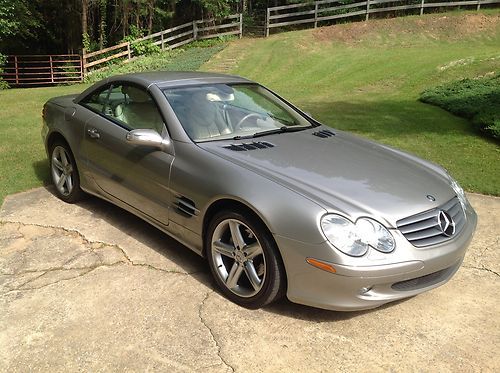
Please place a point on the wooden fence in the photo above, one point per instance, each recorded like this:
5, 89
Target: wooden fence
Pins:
31, 70
167, 39
327, 10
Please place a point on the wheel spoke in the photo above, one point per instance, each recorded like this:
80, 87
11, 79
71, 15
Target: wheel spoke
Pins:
252, 250
236, 234
61, 182
69, 183
64, 159
57, 163
223, 248
234, 275
252, 274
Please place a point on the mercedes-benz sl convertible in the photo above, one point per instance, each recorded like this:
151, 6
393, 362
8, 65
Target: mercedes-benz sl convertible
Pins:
277, 203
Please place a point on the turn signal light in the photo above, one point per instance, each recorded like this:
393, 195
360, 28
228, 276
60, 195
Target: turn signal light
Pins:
321, 265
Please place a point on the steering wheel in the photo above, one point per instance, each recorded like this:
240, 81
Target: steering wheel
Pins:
245, 118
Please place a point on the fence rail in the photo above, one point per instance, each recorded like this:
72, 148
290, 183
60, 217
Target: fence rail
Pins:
327, 10
30, 70
168, 39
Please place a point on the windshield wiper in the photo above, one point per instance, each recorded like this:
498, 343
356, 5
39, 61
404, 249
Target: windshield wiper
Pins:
282, 120
271, 132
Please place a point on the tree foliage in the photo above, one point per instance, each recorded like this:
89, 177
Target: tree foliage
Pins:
55, 26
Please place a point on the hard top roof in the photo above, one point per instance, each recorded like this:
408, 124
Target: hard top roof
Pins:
165, 79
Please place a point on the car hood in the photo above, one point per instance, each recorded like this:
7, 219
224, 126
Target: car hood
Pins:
344, 173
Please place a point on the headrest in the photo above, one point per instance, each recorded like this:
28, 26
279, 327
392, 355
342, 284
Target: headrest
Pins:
135, 94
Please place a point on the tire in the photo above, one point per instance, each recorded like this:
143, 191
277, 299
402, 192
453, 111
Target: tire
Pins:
64, 173
249, 273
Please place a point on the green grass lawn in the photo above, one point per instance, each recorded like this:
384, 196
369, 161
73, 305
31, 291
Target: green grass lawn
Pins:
23, 162
363, 77
367, 77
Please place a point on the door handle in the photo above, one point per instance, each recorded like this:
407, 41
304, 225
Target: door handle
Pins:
93, 133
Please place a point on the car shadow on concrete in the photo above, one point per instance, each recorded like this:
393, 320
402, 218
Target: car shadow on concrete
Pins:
297, 311
191, 263
145, 233
42, 173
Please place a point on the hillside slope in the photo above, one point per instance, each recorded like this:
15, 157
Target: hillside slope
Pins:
366, 78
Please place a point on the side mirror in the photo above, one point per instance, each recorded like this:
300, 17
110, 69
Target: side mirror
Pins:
151, 138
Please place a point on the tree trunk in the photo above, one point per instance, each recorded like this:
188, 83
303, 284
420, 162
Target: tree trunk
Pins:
102, 23
138, 15
85, 10
125, 14
151, 12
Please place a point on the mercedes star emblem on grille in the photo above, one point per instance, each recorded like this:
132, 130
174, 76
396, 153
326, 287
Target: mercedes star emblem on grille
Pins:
446, 223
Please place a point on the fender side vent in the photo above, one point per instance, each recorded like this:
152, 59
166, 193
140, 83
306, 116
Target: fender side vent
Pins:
324, 134
249, 146
186, 206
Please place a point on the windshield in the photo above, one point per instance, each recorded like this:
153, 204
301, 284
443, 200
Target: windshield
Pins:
221, 111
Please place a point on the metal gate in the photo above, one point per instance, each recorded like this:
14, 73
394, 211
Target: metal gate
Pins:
32, 70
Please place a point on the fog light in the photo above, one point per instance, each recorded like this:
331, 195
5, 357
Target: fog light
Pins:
365, 290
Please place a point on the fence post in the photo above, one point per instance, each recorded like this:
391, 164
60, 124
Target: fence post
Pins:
162, 42
195, 30
422, 7
82, 75
129, 51
17, 70
84, 62
268, 14
51, 70
367, 10
478, 4
315, 15
241, 25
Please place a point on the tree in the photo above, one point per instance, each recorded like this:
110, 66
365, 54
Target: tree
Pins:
54, 26
12, 15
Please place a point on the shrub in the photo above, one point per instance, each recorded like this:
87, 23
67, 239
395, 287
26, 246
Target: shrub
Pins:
140, 48
3, 83
475, 99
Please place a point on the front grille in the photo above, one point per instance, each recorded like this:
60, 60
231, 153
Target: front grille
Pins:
423, 229
424, 281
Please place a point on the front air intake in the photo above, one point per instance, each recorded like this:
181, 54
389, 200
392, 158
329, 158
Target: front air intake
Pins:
324, 134
249, 146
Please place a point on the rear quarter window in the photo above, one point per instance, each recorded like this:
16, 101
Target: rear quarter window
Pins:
97, 100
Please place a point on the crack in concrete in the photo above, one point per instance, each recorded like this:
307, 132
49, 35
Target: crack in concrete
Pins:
90, 269
30, 280
126, 259
219, 354
90, 242
482, 269
64, 229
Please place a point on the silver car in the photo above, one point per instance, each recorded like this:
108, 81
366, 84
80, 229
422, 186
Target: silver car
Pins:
277, 203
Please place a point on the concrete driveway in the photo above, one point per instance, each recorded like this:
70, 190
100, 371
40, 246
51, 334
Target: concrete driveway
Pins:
90, 287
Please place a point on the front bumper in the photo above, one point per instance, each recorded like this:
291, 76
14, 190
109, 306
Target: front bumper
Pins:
357, 287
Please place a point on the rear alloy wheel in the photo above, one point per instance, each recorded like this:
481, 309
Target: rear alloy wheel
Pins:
244, 260
64, 173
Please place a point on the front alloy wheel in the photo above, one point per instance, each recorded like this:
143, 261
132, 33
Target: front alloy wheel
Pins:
244, 261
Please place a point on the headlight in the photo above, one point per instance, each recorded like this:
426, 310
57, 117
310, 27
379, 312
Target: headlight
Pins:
355, 239
459, 192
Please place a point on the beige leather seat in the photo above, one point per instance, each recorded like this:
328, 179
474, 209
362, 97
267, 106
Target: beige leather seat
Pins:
201, 118
139, 111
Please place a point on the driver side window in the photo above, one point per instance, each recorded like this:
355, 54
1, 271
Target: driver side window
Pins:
135, 108
131, 106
